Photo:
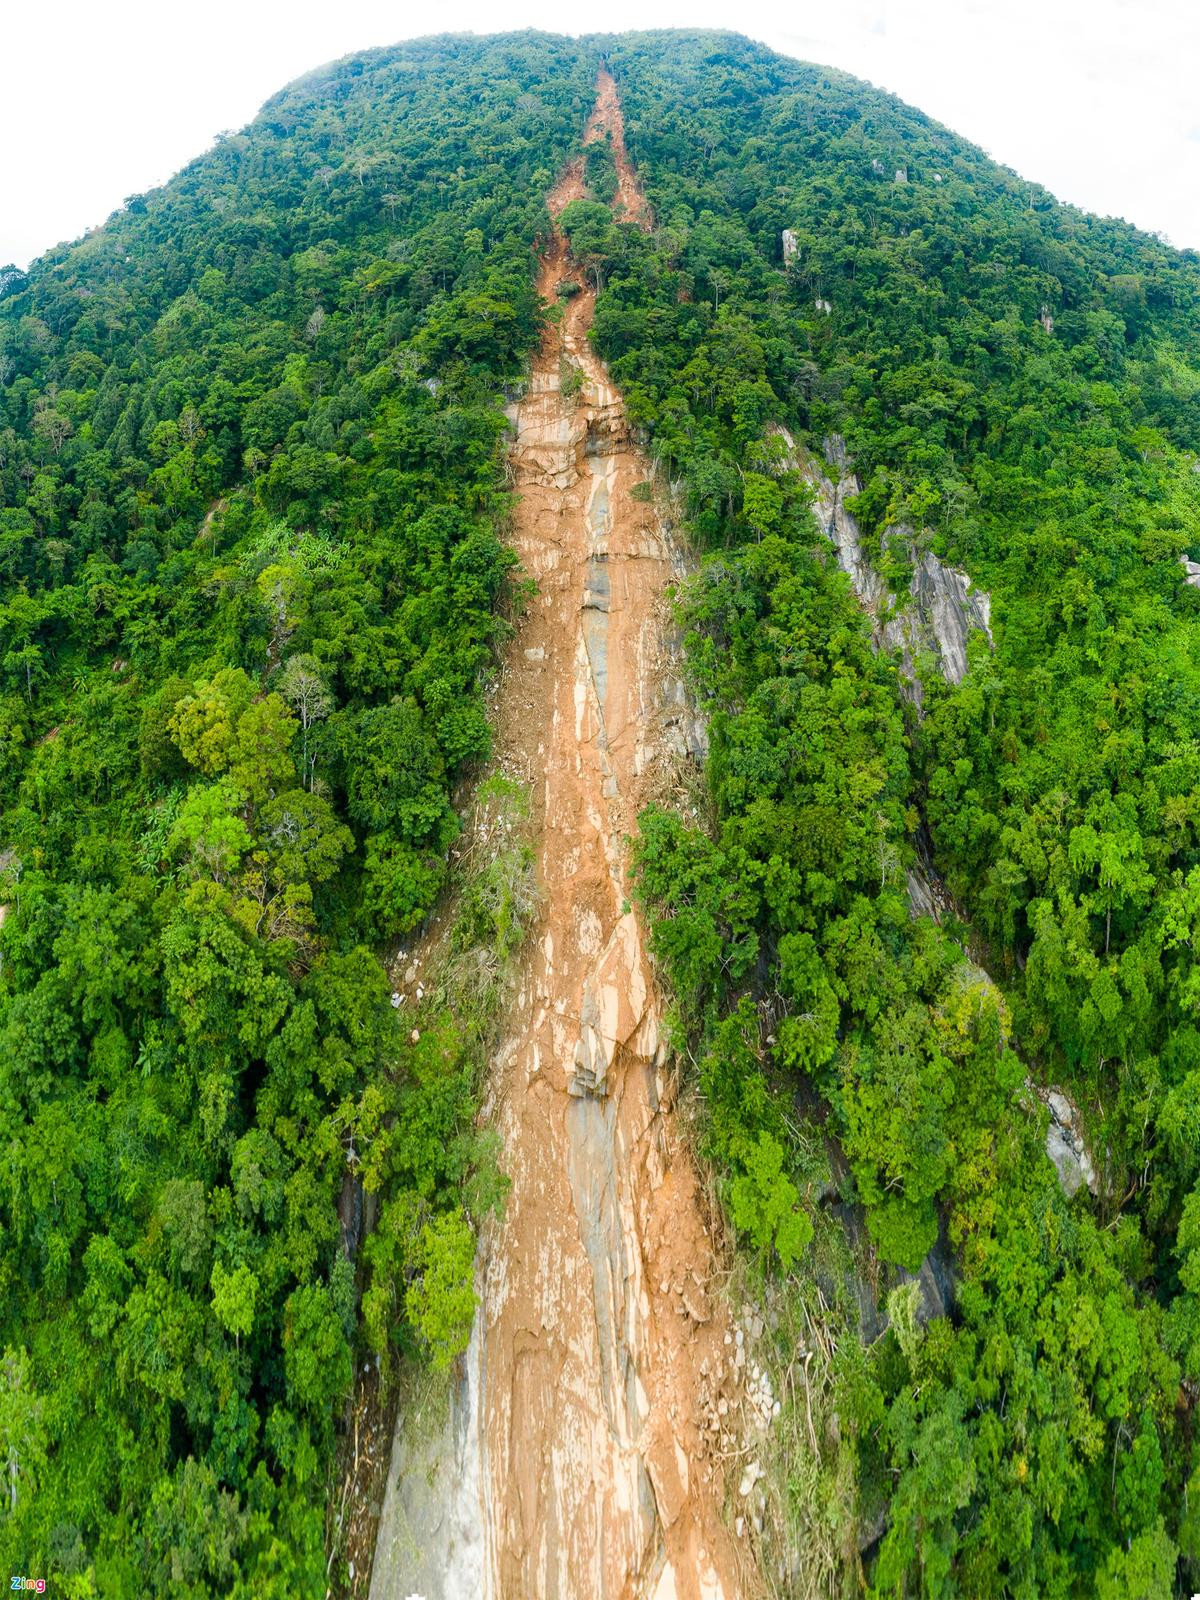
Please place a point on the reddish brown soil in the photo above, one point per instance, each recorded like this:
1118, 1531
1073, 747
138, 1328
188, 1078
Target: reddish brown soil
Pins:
587, 1451
596, 1296
605, 121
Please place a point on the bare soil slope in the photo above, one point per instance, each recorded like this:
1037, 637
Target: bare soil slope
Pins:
599, 1359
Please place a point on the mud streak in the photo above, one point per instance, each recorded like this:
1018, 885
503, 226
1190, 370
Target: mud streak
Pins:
586, 1460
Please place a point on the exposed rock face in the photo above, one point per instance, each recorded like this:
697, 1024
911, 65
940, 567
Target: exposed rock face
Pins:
1191, 569
350, 1213
576, 1462
944, 606
615, 1013
921, 898
790, 246
1064, 1143
837, 524
937, 1289
954, 607
433, 1536
935, 1280
944, 609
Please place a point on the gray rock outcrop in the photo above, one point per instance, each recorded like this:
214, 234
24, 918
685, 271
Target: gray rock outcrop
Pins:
432, 1540
944, 607
921, 899
839, 526
683, 729
868, 1284
1065, 1144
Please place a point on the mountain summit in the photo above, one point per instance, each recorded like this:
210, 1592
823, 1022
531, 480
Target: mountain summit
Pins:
600, 854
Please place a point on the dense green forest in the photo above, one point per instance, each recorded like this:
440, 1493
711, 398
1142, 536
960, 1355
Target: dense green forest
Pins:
253, 577
1022, 382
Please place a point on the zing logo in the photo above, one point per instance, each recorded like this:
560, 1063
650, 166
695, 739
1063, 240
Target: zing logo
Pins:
38, 1585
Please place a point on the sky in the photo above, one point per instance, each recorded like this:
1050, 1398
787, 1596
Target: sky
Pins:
1095, 99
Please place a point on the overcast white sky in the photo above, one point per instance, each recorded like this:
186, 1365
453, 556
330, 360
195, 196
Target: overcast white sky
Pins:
1097, 99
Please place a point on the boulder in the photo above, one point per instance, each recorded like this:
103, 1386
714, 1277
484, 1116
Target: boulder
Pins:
1065, 1144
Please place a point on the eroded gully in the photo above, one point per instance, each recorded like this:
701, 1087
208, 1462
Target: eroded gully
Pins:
582, 1460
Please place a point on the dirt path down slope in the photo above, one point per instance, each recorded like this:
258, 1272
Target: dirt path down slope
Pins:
585, 1466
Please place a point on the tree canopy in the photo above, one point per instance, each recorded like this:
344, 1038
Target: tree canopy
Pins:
253, 576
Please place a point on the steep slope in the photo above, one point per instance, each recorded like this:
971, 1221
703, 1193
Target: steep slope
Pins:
257, 537
252, 578
588, 1380
1015, 384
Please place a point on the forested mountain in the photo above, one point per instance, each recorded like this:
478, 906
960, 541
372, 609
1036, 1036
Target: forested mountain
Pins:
254, 582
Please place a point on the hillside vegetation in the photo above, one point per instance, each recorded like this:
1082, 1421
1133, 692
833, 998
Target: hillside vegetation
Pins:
253, 577
251, 580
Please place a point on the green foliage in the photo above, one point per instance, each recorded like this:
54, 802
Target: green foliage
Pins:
252, 507
252, 499
600, 171
235, 1296
764, 1203
440, 1300
497, 892
399, 885
1033, 1445
316, 1355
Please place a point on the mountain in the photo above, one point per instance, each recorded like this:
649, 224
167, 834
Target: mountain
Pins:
911, 898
